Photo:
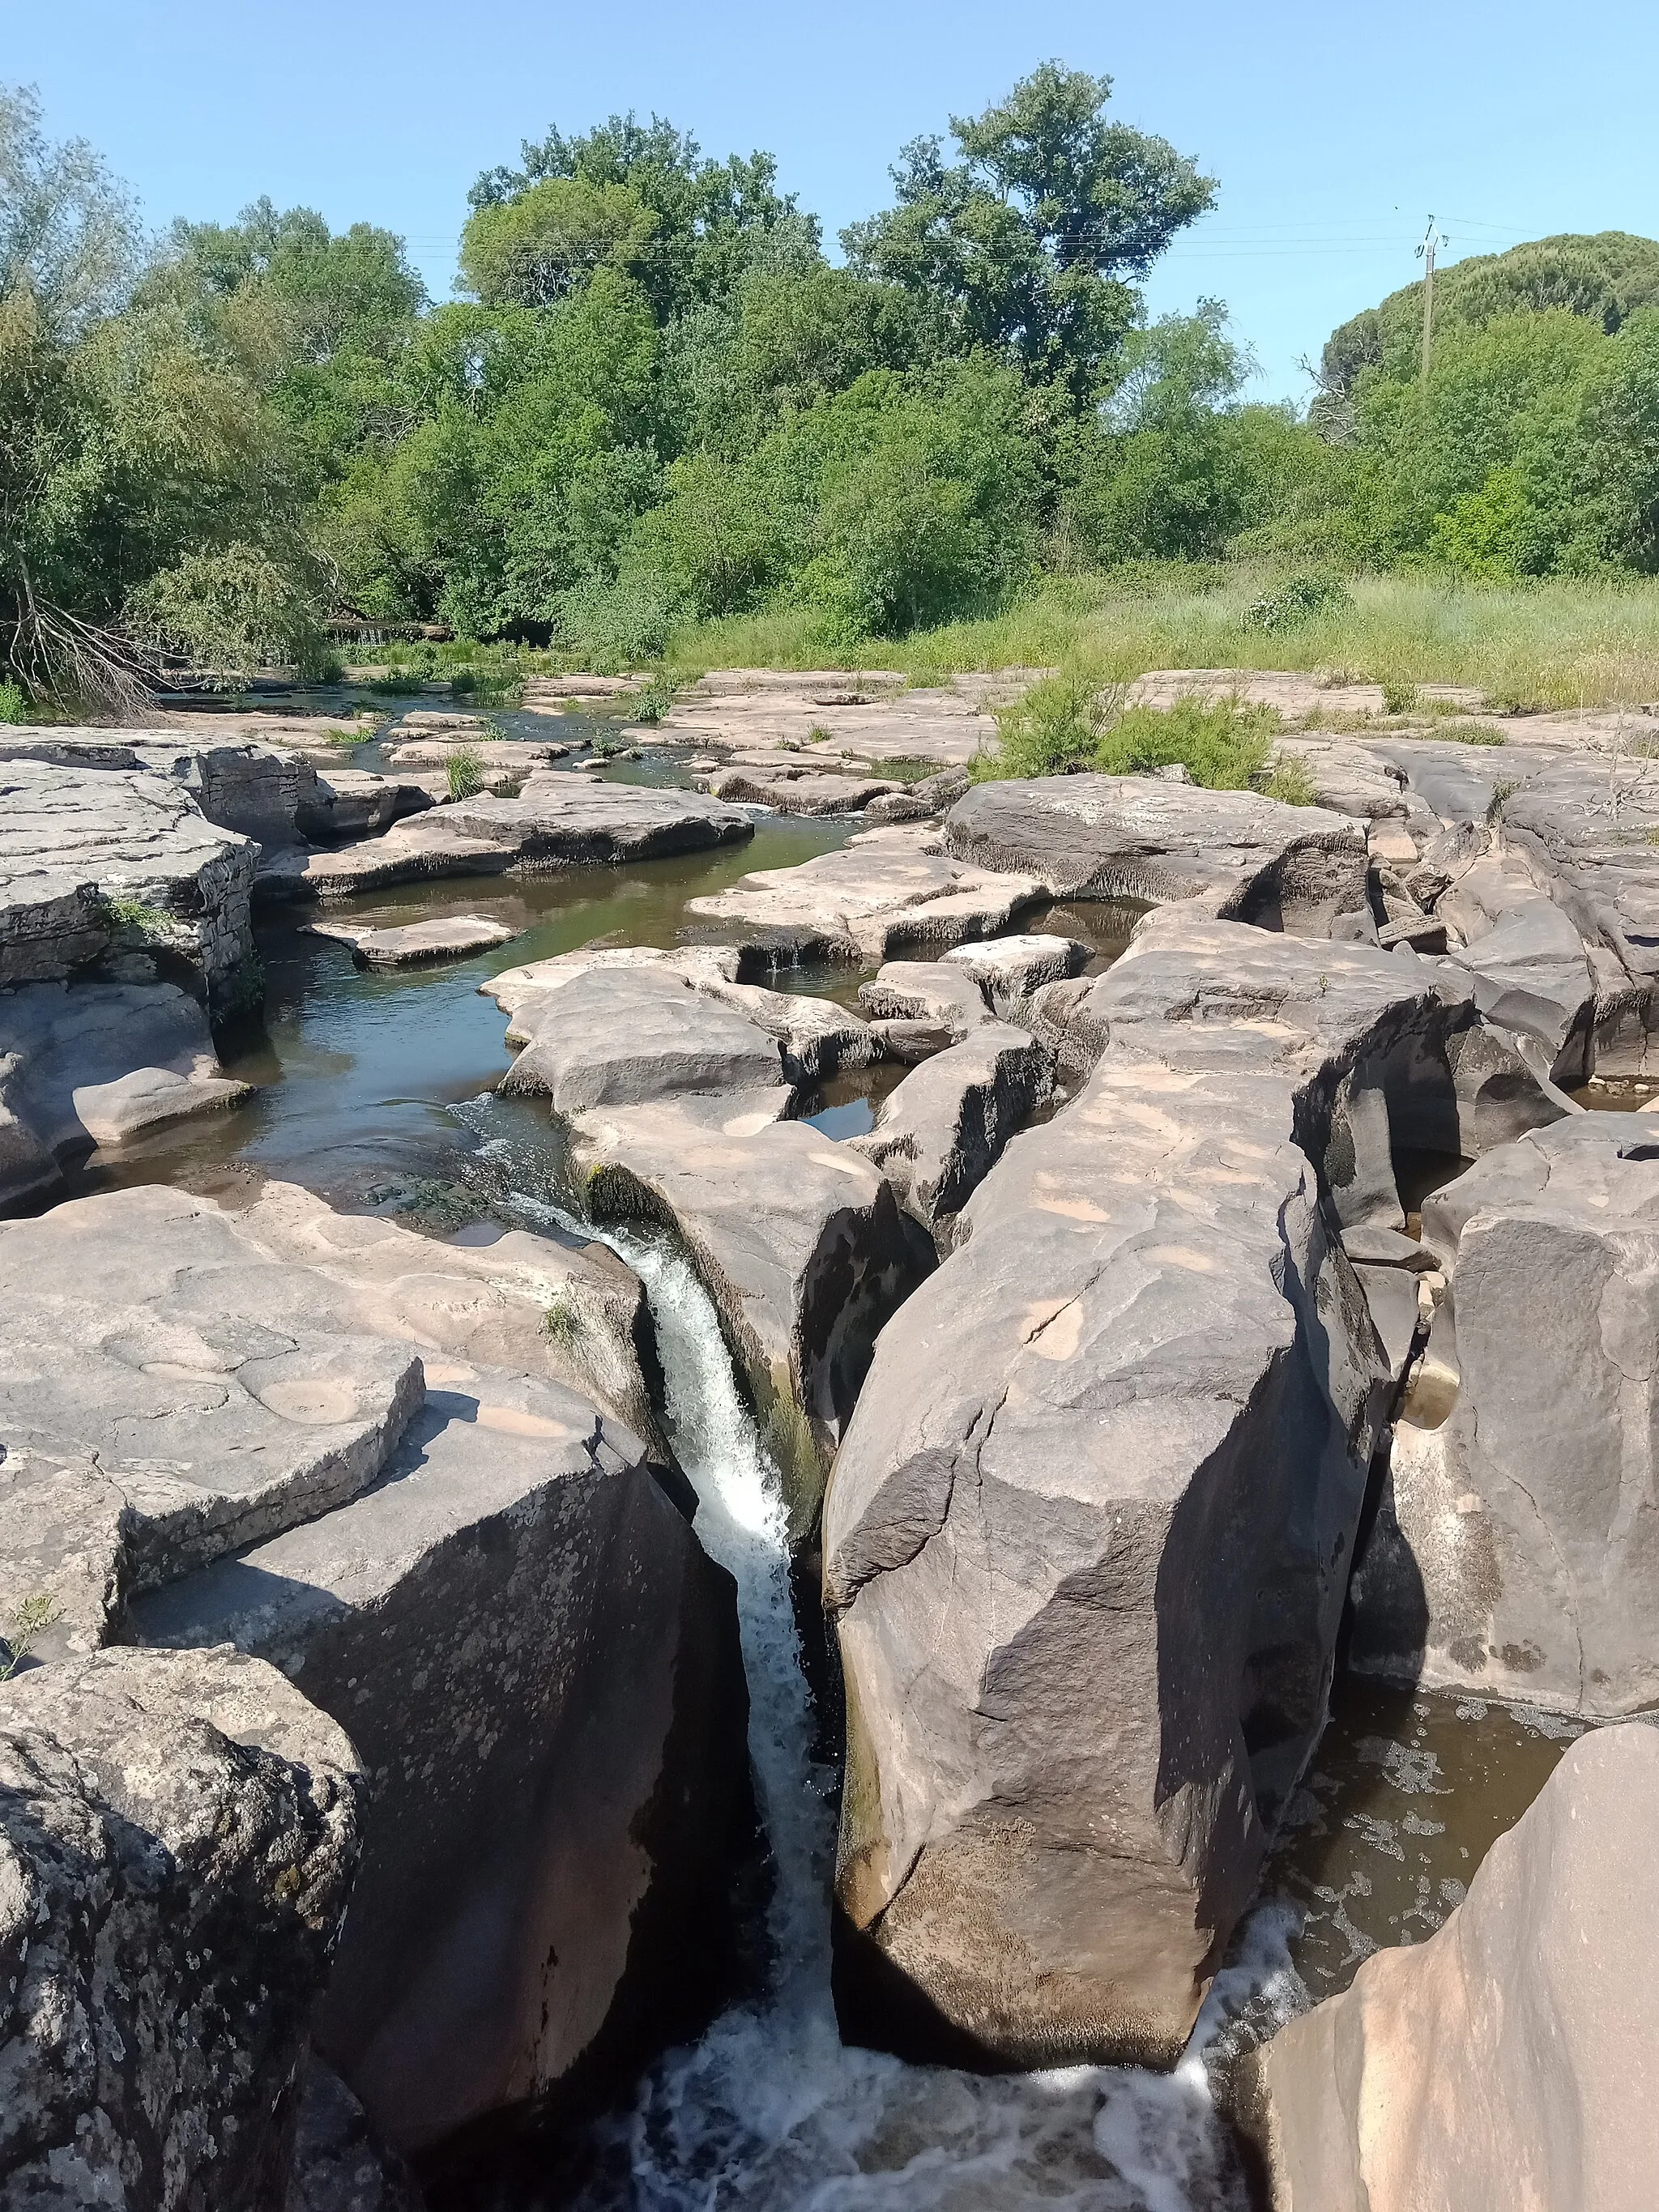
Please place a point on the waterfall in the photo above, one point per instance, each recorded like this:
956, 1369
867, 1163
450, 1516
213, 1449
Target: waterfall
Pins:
769, 2109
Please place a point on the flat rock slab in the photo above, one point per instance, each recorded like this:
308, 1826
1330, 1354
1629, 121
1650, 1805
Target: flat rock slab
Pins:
95, 864
620, 1037
1152, 1393
1298, 695
180, 1833
1505, 2061
1506, 1558
886, 893
867, 716
89, 1064
452, 938
507, 755
558, 821
816, 1037
1133, 836
142, 1334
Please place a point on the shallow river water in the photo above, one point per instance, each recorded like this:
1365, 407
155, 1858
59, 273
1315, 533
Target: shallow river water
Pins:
374, 1090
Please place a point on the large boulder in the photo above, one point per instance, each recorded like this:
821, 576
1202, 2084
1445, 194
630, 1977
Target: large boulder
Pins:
1532, 974
1250, 859
1153, 1395
92, 1064
98, 866
1510, 1554
219, 1431
177, 1837
884, 894
1508, 2061
620, 1037
539, 1667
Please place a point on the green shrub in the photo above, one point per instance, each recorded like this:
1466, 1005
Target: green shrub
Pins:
1399, 698
1054, 728
611, 627
1297, 601
653, 701
14, 704
1221, 744
1291, 782
465, 772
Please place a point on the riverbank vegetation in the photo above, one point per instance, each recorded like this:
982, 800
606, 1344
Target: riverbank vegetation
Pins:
662, 431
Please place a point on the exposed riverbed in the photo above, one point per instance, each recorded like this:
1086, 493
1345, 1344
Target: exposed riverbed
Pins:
375, 1090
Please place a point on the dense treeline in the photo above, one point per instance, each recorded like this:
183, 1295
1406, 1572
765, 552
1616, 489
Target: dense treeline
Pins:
659, 401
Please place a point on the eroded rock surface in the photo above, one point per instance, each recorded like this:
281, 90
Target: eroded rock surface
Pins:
91, 1063
1138, 836
1511, 1554
1506, 2061
886, 893
1138, 1462
940, 1131
177, 1837
452, 938
99, 864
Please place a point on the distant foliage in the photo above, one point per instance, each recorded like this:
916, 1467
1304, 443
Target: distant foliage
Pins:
1297, 602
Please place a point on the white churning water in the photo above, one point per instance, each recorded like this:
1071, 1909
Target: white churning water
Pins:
770, 2110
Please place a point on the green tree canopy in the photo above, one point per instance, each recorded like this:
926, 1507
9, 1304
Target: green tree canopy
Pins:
1031, 238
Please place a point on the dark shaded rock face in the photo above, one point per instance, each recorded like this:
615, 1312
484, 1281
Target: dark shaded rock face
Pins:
1088, 1581
178, 1836
1503, 2062
1512, 1554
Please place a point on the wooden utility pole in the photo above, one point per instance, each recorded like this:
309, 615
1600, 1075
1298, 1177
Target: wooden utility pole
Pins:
1425, 255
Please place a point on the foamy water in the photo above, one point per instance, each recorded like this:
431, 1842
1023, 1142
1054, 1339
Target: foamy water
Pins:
770, 2110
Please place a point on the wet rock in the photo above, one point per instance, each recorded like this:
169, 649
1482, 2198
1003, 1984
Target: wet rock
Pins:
558, 821
89, 1064
452, 938
1153, 1395
797, 1239
340, 2164
1501, 2063
178, 1833
539, 1667
95, 864
940, 1131
1509, 1555
1131, 836
884, 894
619, 1036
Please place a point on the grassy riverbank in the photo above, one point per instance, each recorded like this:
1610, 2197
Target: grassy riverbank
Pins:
1553, 644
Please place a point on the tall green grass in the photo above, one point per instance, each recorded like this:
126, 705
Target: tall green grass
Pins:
1556, 643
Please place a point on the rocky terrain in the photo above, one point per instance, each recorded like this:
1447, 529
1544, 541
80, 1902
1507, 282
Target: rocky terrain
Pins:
1171, 1332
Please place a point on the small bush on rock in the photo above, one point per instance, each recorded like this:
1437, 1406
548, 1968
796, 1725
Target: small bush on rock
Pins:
465, 774
1293, 604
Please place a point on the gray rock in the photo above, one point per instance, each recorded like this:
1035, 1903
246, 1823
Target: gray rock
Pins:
539, 1665
1153, 1390
352, 803
940, 1131
868, 716
177, 1841
886, 893
945, 1001
1509, 1555
797, 1239
91, 1063
816, 1037
454, 937
558, 821
340, 2164
97, 863
1502, 2062
1010, 969
1532, 972
1131, 836
142, 1334
619, 1036
798, 790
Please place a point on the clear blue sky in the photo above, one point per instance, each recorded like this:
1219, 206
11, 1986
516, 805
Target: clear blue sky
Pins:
1335, 130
